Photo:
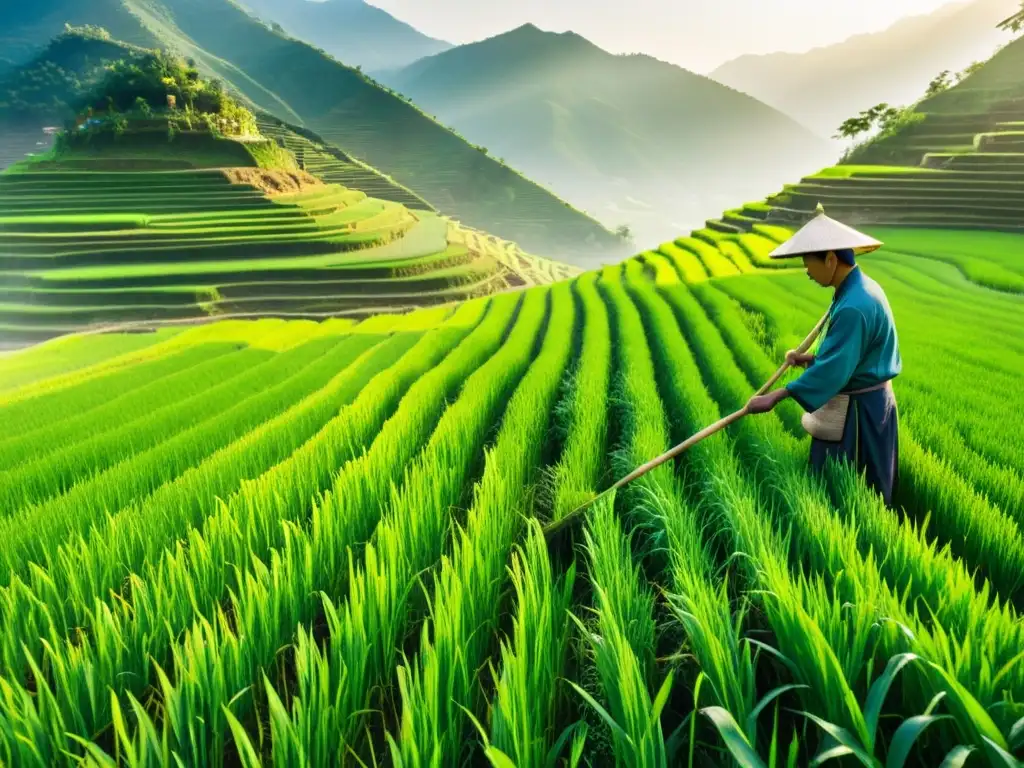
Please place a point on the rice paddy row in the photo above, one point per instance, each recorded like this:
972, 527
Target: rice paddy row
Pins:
80, 250
292, 542
987, 258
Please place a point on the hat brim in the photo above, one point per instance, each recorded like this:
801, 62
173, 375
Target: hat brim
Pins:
823, 234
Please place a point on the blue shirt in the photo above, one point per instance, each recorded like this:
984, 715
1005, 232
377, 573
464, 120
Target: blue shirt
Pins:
860, 348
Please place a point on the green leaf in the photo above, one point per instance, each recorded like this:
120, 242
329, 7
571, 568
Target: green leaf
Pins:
661, 699
935, 702
579, 741
733, 737
1007, 668
674, 742
556, 749
693, 720
1017, 735
98, 755
774, 652
773, 747
879, 690
603, 713
396, 752
830, 754
844, 737
794, 752
905, 736
498, 758
972, 714
999, 756
767, 699
957, 757
246, 752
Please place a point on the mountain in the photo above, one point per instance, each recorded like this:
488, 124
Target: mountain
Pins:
48, 87
25, 28
292, 80
352, 31
824, 86
630, 139
955, 163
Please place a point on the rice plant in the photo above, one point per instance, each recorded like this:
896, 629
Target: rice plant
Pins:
440, 683
280, 543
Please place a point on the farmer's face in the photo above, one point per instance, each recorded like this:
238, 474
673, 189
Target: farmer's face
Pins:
821, 270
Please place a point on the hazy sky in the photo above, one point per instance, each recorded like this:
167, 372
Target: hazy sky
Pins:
696, 34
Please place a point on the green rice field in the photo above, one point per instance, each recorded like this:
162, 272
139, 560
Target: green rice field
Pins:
87, 250
321, 542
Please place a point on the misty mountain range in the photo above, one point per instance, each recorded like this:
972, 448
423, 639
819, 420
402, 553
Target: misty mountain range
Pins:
824, 86
629, 139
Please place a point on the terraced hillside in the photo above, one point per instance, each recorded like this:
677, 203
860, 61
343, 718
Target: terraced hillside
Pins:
332, 165
741, 244
290, 79
295, 543
83, 249
957, 163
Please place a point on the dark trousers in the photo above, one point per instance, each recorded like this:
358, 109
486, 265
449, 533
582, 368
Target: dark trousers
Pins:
870, 441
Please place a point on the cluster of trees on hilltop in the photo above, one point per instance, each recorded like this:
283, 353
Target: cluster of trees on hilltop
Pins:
159, 83
85, 75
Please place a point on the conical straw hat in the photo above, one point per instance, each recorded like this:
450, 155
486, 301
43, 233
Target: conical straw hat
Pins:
824, 234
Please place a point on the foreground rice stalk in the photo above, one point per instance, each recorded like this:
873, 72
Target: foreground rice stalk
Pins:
441, 682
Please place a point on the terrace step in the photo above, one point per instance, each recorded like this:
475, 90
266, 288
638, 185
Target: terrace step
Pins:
926, 176
335, 166
1004, 161
1015, 208
1005, 141
858, 216
994, 194
725, 227
81, 299
135, 179
705, 237
753, 213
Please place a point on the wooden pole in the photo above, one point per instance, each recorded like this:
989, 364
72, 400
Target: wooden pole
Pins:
552, 528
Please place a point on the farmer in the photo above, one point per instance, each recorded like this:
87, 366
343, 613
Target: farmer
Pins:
846, 389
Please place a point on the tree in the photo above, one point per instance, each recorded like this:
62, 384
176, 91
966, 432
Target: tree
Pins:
882, 115
624, 232
1015, 23
87, 31
939, 83
969, 70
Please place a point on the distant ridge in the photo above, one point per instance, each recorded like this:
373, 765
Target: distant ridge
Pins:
632, 139
353, 31
824, 86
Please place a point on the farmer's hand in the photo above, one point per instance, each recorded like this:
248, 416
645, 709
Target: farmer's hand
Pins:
799, 359
765, 403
